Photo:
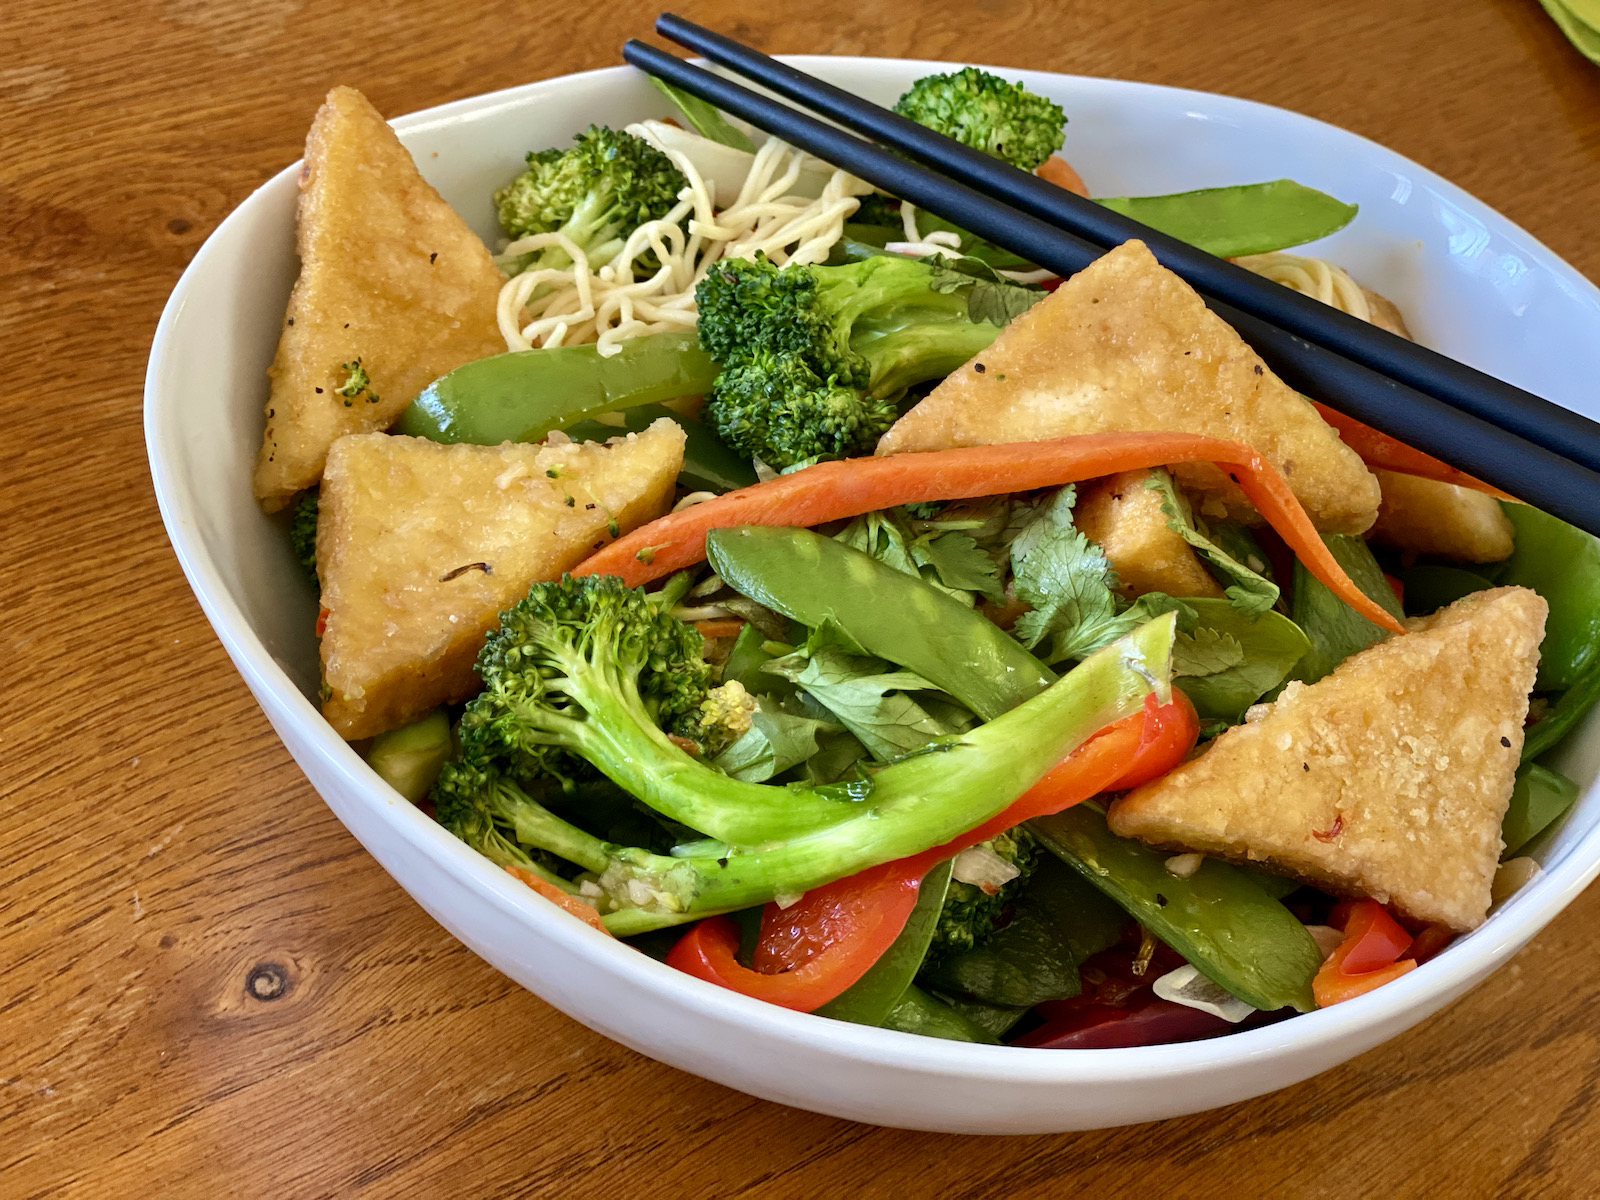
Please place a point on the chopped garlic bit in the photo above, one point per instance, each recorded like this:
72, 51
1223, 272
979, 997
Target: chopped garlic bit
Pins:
788, 899
1184, 865
983, 868
1514, 875
1186, 986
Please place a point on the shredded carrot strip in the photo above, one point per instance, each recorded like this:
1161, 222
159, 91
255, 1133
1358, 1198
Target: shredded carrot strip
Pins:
834, 490
1390, 454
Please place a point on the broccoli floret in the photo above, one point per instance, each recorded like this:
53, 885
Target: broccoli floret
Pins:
987, 113
593, 669
972, 912
596, 193
814, 358
303, 532
356, 382
726, 715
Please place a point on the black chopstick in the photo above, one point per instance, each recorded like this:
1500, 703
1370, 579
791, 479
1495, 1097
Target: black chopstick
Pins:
1531, 472
1531, 417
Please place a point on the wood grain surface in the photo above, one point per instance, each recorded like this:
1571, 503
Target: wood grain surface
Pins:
208, 988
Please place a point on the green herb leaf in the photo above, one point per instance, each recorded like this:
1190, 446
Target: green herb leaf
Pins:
1269, 647
706, 118
1249, 591
776, 741
1206, 651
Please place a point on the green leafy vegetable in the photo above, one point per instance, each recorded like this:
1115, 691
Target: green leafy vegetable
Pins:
705, 118
776, 741
1206, 651
1247, 589
1269, 646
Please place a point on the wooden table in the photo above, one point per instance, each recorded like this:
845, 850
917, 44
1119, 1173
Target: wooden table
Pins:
207, 987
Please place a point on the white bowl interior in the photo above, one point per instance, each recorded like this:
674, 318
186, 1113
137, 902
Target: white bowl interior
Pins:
1469, 282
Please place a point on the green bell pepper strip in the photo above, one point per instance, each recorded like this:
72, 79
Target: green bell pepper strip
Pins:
895, 616
523, 395
1250, 218
708, 465
1336, 630
1218, 919
1060, 921
1539, 797
918, 1012
871, 999
1562, 564
1567, 710
1430, 587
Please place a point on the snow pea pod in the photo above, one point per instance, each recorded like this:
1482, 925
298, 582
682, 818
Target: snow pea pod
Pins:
1250, 218
887, 613
1429, 587
1562, 564
523, 395
1568, 708
871, 999
1218, 919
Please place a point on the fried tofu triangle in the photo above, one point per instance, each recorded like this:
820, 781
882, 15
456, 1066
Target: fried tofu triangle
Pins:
1389, 778
420, 546
1127, 345
389, 274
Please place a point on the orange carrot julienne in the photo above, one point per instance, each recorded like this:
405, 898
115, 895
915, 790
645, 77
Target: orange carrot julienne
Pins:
1390, 454
720, 627
831, 491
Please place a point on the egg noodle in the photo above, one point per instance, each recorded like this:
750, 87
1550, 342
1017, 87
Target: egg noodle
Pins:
606, 303
1313, 277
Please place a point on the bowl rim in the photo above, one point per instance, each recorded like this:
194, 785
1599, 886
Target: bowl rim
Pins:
1421, 991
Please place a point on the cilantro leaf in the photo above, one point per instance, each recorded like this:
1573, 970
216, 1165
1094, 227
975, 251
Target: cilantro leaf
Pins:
1249, 591
1206, 651
958, 562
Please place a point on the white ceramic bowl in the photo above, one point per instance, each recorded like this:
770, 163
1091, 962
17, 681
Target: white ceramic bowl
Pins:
1470, 283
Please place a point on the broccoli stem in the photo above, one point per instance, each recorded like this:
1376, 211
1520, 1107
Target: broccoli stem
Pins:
621, 736
916, 804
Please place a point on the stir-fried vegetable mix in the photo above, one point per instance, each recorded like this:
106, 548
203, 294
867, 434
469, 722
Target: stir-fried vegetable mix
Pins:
1093, 722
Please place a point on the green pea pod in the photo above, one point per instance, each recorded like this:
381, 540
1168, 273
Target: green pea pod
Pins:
408, 759
708, 465
1251, 218
1562, 564
1430, 587
1336, 630
1567, 711
813, 579
871, 998
918, 1012
1219, 919
1539, 797
521, 396
1060, 921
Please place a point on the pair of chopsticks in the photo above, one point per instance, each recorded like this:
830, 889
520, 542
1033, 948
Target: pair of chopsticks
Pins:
1510, 438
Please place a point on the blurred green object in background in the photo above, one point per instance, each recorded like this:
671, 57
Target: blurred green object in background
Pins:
1580, 21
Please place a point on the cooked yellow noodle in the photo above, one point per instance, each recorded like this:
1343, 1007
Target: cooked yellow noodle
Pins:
1313, 277
606, 304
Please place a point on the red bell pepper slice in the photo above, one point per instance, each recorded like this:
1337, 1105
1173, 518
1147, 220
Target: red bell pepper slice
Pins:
812, 951
1367, 958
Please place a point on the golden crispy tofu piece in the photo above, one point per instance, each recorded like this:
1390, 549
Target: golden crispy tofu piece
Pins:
1382, 312
1127, 345
1388, 778
389, 274
420, 546
1440, 518
1124, 518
